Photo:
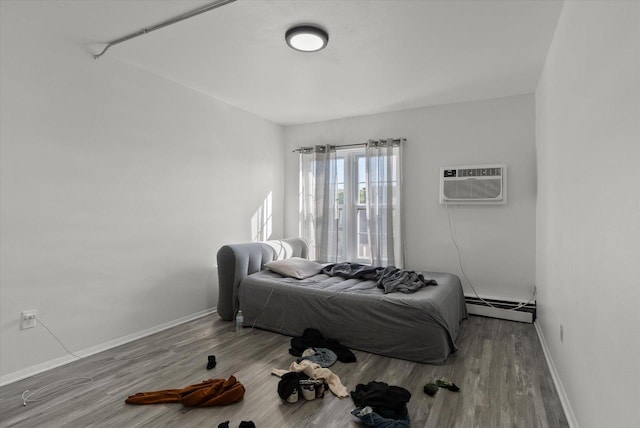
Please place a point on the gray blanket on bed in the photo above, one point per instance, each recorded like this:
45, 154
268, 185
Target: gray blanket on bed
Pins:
389, 278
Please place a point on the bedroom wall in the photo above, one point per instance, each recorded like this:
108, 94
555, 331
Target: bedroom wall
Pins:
497, 242
588, 210
118, 188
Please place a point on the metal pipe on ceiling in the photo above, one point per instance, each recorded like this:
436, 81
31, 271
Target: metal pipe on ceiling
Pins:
163, 24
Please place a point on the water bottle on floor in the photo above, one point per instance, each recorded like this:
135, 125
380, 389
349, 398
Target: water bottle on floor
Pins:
239, 322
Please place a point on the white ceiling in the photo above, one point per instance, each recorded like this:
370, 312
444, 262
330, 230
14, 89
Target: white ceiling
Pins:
383, 55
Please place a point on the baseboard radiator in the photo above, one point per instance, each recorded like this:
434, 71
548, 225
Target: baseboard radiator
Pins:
502, 309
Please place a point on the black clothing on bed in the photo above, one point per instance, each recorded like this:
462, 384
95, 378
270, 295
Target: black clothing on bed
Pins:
312, 338
386, 400
389, 278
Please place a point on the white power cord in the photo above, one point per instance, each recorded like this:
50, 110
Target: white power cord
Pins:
74, 382
78, 381
58, 339
464, 274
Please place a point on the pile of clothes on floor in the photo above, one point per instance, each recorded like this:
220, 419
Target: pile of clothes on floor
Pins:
377, 403
309, 376
381, 405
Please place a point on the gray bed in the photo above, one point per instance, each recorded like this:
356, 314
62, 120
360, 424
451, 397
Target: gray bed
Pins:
420, 326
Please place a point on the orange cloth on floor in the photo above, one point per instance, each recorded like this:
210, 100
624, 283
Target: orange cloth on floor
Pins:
212, 392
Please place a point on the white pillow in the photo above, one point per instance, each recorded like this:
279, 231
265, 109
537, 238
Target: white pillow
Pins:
295, 267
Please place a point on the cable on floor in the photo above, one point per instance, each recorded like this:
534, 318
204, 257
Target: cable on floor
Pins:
72, 383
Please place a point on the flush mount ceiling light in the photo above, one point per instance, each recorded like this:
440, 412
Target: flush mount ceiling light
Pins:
306, 38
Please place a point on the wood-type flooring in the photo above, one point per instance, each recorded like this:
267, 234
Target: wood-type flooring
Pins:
499, 367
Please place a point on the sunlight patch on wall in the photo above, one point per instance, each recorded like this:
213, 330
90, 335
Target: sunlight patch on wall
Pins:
262, 220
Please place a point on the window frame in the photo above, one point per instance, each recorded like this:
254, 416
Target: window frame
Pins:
352, 206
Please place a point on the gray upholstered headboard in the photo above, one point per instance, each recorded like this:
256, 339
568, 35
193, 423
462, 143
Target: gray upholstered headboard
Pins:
236, 261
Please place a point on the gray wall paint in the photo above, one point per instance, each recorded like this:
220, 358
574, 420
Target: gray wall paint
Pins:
497, 242
118, 188
588, 210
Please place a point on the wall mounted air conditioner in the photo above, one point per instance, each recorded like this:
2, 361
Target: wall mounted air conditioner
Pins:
473, 185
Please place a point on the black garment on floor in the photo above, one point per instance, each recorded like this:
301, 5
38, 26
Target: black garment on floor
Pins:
386, 400
288, 384
312, 338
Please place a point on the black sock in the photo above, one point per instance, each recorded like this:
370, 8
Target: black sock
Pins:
212, 363
430, 389
224, 425
247, 424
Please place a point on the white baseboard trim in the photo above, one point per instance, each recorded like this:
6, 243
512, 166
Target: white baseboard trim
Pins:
57, 362
564, 400
503, 314
500, 308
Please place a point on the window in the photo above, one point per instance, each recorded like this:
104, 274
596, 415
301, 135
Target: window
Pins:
353, 236
350, 203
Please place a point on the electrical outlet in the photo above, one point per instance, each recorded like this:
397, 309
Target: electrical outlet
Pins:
561, 334
28, 319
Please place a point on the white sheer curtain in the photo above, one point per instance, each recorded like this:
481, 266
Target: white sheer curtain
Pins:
318, 202
384, 202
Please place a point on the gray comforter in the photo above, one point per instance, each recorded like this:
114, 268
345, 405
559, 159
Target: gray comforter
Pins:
420, 326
